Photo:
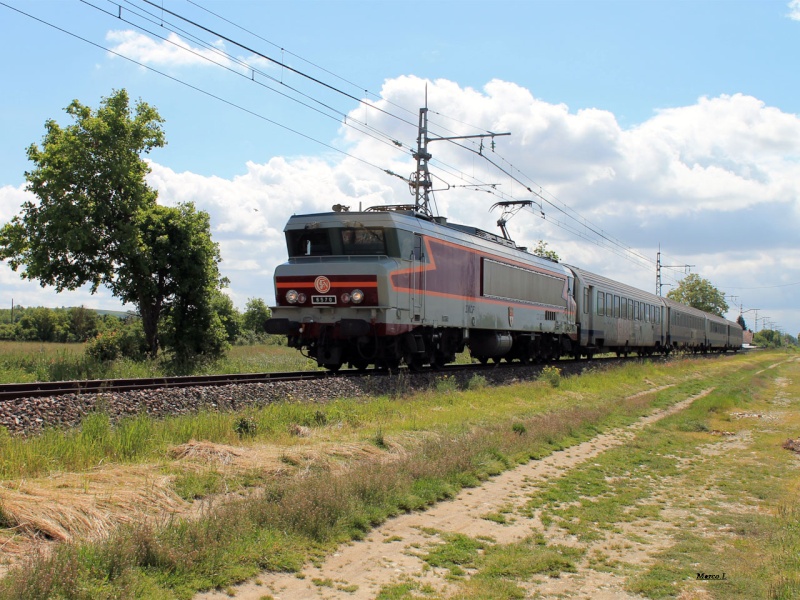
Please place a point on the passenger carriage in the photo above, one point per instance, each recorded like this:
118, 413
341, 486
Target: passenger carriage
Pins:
614, 317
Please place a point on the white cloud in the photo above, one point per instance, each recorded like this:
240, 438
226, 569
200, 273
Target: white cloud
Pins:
716, 183
11, 199
794, 10
174, 51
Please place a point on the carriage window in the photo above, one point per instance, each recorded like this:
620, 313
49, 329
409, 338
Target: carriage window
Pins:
363, 241
609, 305
624, 309
616, 306
601, 303
586, 297
630, 310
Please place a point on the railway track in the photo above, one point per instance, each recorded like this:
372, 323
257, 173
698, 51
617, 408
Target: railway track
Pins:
11, 391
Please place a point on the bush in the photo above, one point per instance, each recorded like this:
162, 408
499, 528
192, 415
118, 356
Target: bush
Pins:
551, 375
477, 382
446, 384
126, 340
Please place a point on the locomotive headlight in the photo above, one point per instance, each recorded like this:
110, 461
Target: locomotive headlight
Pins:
345, 298
356, 296
291, 296
301, 298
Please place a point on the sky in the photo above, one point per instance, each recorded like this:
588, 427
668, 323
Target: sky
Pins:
635, 126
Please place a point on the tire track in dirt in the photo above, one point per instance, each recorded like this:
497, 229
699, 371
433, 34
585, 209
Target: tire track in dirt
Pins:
358, 571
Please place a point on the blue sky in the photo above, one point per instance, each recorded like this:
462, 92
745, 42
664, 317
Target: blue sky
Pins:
672, 123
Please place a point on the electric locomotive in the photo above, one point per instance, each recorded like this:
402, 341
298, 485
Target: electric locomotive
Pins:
390, 285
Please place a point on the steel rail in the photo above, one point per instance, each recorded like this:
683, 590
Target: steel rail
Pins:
13, 391
42, 389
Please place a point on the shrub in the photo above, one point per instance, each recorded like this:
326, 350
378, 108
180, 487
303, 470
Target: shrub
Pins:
477, 382
446, 384
124, 340
245, 427
551, 375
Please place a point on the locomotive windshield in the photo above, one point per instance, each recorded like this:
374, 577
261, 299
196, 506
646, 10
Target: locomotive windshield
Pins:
347, 241
363, 241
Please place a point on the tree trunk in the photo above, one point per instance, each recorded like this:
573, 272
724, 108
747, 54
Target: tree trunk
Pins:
150, 313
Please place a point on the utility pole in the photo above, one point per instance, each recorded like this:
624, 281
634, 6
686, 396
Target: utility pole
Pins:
420, 181
659, 266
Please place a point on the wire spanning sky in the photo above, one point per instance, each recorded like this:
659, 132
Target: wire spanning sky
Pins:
633, 124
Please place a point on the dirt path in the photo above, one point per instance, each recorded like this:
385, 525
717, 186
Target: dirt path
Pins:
389, 554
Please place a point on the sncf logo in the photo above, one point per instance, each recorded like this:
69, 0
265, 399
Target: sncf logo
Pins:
322, 284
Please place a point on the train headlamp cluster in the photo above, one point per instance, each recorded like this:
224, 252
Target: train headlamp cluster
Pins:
355, 297
295, 297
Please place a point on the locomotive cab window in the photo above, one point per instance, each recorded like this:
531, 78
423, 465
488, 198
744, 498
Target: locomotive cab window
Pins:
309, 242
363, 240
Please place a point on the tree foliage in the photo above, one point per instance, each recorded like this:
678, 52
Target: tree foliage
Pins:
742, 323
541, 250
256, 314
767, 338
77, 324
96, 222
698, 292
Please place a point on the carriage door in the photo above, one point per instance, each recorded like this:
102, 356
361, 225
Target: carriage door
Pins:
417, 295
588, 316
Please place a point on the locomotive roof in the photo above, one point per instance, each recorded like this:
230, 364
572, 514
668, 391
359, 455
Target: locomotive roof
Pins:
414, 221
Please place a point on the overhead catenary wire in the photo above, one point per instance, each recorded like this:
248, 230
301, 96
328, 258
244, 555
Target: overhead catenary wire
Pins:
338, 115
196, 88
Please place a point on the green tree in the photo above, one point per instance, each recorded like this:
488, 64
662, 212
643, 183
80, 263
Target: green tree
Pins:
97, 222
256, 313
228, 314
767, 338
40, 324
740, 320
698, 292
541, 250
83, 324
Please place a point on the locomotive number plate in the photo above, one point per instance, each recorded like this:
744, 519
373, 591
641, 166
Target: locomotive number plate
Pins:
323, 299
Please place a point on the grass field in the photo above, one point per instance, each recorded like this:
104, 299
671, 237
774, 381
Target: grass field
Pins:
22, 362
712, 480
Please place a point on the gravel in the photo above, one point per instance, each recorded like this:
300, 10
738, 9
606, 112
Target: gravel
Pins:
27, 416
